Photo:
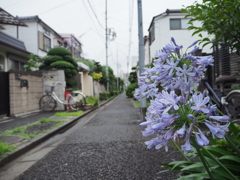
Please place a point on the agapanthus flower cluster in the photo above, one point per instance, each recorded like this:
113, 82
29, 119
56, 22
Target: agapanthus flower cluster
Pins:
176, 111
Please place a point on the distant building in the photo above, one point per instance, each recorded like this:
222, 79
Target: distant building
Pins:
72, 44
171, 23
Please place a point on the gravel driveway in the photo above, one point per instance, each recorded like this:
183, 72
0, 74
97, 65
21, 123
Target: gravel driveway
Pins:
109, 147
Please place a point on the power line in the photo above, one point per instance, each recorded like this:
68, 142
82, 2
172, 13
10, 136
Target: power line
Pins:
92, 20
95, 14
55, 7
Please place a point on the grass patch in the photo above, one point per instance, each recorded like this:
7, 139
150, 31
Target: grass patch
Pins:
4, 148
21, 130
64, 114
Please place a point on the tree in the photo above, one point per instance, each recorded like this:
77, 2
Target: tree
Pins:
61, 58
33, 62
220, 18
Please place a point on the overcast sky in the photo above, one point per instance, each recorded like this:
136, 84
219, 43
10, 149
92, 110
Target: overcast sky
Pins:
86, 20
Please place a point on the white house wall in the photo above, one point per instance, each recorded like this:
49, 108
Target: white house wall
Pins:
163, 35
26, 34
29, 36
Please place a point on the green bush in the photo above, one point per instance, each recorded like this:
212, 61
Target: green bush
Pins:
93, 100
51, 59
43, 67
59, 51
71, 82
104, 95
62, 65
114, 93
130, 90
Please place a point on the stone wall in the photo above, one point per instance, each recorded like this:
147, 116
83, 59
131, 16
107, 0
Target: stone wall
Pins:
98, 88
25, 91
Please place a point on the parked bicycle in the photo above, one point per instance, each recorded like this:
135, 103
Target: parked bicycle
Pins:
75, 100
227, 104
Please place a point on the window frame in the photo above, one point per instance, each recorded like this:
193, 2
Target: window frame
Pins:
152, 34
180, 19
47, 44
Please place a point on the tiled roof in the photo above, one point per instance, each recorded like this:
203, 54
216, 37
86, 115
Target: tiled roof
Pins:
6, 39
6, 18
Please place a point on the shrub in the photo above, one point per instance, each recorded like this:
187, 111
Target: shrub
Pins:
130, 90
59, 51
93, 100
104, 95
71, 82
97, 76
62, 65
51, 59
114, 93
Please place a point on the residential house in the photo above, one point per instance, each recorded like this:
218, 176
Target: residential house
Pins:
13, 53
38, 37
171, 23
72, 44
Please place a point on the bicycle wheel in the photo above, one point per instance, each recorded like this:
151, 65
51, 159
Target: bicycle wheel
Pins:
77, 103
47, 103
233, 100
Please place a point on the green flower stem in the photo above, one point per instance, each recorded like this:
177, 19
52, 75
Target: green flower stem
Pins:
202, 158
175, 144
220, 164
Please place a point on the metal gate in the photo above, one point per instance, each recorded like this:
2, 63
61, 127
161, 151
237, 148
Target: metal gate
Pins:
4, 93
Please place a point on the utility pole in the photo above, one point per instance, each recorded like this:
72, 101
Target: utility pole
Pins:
117, 72
110, 36
141, 54
107, 50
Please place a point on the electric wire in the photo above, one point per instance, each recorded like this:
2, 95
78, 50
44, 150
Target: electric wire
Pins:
93, 22
54, 7
95, 14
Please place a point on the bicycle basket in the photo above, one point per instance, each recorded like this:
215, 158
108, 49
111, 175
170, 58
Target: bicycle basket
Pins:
49, 89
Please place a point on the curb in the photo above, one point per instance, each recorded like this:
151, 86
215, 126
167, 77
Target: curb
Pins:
36, 141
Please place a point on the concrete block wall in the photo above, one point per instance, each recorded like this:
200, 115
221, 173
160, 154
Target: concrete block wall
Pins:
49, 77
98, 88
24, 100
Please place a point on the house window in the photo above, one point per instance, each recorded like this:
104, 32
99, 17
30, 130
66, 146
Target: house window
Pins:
179, 23
16, 65
152, 34
47, 43
46, 32
44, 43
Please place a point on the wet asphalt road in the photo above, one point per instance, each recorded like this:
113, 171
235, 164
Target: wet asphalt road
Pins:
110, 146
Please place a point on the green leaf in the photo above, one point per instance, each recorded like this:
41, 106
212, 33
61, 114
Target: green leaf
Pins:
191, 168
217, 151
231, 158
222, 173
233, 129
231, 142
177, 163
194, 176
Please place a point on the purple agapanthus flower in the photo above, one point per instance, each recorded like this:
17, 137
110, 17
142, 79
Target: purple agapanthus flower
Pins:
187, 147
185, 72
175, 111
200, 103
170, 100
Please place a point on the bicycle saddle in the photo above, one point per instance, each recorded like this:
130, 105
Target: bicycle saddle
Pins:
226, 79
